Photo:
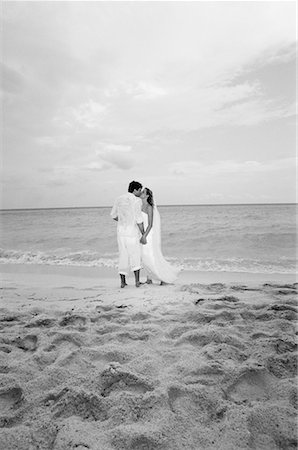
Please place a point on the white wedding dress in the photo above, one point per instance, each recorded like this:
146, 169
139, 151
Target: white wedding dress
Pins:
153, 261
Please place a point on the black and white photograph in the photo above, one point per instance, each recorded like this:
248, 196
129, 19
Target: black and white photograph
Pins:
148, 216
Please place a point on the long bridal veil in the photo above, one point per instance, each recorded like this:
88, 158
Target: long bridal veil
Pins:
157, 266
156, 227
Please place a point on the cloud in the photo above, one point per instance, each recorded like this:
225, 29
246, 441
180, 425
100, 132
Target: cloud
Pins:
223, 167
56, 183
118, 155
97, 166
117, 160
138, 90
251, 112
12, 80
105, 148
88, 114
276, 55
51, 143
196, 108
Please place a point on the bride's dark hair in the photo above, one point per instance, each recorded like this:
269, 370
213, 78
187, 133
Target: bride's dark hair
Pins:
150, 196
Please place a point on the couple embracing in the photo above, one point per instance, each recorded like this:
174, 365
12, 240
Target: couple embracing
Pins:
139, 237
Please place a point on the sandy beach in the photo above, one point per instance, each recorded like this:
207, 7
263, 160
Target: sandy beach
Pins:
207, 363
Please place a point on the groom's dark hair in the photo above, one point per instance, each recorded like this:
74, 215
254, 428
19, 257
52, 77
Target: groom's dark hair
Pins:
134, 185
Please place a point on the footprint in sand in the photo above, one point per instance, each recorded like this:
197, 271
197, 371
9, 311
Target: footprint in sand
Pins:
207, 374
284, 346
217, 287
199, 403
224, 352
26, 343
281, 289
244, 288
126, 336
104, 308
226, 317
74, 320
262, 335
204, 338
115, 379
252, 385
283, 366
5, 349
10, 397
284, 311
42, 322
178, 331
206, 317
138, 437
283, 307
107, 328
226, 306
9, 319
69, 340
104, 355
275, 422
107, 312
247, 315
69, 402
111, 313
140, 316
197, 288
226, 298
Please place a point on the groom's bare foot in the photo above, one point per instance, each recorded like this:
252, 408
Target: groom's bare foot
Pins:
123, 280
138, 284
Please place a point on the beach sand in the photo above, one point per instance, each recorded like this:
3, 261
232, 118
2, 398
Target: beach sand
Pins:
207, 363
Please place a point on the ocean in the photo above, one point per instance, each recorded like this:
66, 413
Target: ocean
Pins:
232, 238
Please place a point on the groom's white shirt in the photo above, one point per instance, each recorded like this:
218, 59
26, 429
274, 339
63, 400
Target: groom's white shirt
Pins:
128, 209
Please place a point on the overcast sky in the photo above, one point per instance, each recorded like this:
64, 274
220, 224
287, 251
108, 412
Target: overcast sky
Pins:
194, 99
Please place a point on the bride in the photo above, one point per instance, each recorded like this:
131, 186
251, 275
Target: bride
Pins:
153, 261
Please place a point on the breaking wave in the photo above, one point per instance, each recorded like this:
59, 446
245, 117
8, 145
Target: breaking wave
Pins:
87, 258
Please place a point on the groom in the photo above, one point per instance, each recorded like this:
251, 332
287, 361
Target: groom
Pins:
127, 211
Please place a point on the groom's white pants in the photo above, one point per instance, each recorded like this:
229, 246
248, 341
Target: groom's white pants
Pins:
129, 254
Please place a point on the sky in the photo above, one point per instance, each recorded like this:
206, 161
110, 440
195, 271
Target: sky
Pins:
196, 100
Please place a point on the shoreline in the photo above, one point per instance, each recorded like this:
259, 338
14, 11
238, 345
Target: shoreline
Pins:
109, 276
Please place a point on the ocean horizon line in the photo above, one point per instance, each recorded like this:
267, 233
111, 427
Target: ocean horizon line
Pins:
161, 205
